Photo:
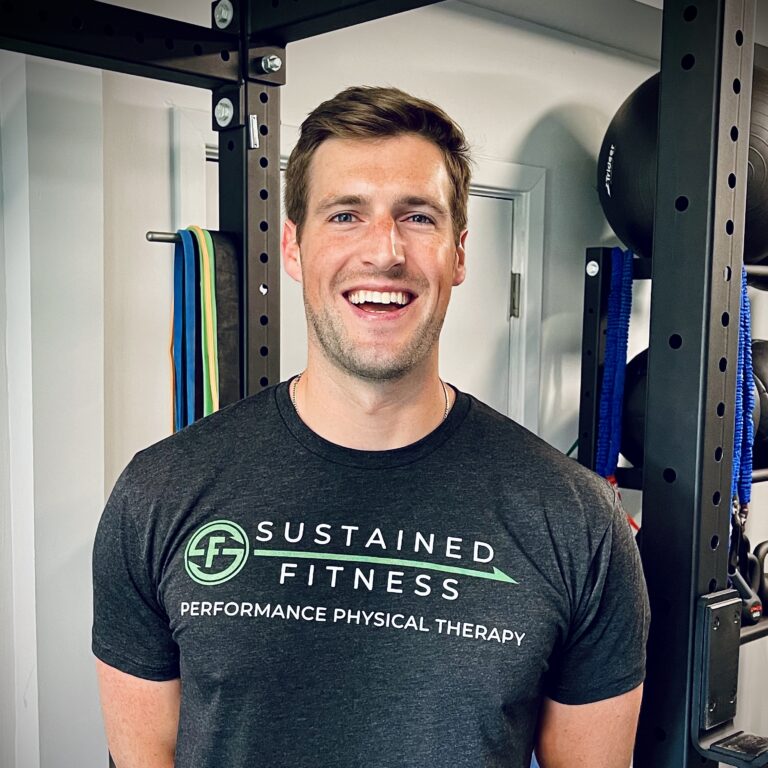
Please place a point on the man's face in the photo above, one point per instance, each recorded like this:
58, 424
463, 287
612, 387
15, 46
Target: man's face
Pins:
377, 257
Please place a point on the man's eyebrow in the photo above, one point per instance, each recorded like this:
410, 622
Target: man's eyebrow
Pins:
340, 200
428, 202
334, 201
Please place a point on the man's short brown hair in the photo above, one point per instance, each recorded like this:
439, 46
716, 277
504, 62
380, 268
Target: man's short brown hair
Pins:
369, 112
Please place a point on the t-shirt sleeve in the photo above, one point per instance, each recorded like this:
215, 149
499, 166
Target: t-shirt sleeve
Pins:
130, 627
603, 654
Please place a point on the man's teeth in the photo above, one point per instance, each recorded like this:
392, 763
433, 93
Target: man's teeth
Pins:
379, 297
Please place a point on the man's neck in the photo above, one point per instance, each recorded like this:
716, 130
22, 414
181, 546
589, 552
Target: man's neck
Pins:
370, 415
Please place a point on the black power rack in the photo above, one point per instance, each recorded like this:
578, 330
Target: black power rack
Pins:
687, 719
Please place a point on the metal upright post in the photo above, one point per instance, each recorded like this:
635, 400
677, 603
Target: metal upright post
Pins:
247, 117
597, 286
706, 80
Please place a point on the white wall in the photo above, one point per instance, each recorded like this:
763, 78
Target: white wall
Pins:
52, 207
19, 514
7, 685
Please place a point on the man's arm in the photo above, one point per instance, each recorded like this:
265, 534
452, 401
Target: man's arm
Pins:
599, 735
141, 718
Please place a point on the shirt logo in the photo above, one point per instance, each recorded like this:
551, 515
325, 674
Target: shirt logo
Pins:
216, 552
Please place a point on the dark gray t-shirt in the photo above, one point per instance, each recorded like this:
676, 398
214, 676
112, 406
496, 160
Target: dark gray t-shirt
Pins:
333, 607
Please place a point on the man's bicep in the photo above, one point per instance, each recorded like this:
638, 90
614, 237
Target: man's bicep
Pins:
141, 717
600, 734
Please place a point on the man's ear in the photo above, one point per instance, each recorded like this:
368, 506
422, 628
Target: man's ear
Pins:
459, 268
291, 251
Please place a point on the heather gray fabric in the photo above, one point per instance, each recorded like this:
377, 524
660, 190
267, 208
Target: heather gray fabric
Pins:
332, 607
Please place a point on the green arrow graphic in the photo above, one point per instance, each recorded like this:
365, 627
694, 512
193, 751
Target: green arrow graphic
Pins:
496, 575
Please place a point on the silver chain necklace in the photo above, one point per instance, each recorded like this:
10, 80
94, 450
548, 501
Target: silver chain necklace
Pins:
442, 383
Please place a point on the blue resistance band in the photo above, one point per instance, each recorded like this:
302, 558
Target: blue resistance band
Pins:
612, 389
179, 367
743, 438
191, 311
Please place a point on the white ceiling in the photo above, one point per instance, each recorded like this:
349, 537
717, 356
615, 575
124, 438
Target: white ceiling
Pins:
630, 25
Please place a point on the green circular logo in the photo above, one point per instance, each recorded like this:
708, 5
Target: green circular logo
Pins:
216, 552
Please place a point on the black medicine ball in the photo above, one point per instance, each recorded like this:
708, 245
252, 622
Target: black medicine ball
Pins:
633, 413
626, 170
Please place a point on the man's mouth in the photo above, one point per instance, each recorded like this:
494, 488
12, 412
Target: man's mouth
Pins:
379, 301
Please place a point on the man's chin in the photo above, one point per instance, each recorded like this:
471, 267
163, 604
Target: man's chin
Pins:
378, 370
372, 367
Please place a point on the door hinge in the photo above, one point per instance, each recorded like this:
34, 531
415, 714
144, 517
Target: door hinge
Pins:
514, 295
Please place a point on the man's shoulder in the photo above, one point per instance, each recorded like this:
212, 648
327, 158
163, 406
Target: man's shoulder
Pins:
202, 448
514, 453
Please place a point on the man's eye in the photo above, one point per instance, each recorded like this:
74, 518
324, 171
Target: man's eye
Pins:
420, 218
342, 218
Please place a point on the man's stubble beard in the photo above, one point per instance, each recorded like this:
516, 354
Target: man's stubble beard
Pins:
331, 335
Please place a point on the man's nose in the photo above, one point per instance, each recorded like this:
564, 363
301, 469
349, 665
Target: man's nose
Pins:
385, 248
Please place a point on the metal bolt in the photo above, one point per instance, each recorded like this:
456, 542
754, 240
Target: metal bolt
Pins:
224, 112
736, 618
712, 706
223, 14
716, 622
592, 268
271, 63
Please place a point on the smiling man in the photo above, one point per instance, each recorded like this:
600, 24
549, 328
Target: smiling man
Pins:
363, 565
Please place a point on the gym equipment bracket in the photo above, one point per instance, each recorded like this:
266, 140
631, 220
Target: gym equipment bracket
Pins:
715, 683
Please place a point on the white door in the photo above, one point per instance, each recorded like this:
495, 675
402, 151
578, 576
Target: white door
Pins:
474, 347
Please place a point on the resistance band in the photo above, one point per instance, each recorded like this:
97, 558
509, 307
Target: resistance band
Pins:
227, 271
177, 344
192, 370
612, 388
208, 324
743, 439
744, 434
205, 326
